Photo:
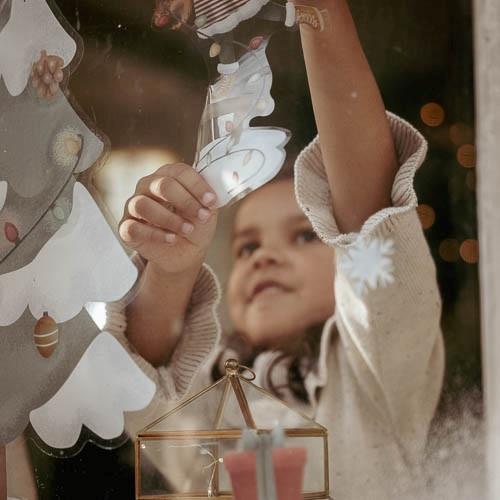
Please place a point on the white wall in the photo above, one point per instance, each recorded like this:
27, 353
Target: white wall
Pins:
487, 50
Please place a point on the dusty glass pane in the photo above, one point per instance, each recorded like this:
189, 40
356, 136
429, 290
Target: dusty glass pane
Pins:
147, 91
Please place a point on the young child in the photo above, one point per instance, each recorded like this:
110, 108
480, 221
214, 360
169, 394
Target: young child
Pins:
373, 366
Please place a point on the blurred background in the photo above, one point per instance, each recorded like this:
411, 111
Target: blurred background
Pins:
145, 91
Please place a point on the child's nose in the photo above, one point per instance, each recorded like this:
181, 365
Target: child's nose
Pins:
265, 256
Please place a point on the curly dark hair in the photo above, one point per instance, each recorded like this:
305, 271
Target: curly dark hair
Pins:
303, 354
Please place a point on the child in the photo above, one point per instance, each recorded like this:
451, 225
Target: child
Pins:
374, 376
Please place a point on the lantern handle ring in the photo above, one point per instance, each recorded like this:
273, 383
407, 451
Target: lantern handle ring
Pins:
235, 369
247, 373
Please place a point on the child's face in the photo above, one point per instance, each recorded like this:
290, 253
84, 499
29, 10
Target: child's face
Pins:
282, 278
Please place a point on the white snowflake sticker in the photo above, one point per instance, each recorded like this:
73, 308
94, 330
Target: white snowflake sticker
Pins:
368, 264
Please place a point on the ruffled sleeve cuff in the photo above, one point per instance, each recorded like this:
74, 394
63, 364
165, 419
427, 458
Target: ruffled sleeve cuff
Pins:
200, 333
313, 191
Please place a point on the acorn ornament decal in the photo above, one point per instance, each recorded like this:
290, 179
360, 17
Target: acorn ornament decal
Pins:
46, 335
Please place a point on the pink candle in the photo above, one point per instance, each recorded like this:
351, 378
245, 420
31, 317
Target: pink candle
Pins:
288, 471
241, 468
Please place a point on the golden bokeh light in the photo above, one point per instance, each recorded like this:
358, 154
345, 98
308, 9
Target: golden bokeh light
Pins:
469, 251
460, 133
449, 250
466, 155
427, 215
432, 114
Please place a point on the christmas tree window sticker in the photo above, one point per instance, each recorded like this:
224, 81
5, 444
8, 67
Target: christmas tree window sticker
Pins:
58, 256
234, 157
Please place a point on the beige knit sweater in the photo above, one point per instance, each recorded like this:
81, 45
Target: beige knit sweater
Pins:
376, 383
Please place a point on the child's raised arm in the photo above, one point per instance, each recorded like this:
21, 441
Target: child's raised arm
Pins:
389, 356
356, 142
169, 223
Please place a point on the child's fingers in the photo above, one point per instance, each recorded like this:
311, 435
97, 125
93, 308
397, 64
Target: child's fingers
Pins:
145, 208
169, 190
192, 181
136, 233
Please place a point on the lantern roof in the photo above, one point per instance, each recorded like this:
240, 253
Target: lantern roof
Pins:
232, 403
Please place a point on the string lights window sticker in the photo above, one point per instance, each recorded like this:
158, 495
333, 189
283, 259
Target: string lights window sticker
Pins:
232, 156
58, 255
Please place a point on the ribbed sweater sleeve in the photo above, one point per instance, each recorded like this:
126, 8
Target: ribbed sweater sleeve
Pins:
387, 301
200, 334
313, 192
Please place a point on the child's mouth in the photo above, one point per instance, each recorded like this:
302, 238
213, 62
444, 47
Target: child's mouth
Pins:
268, 288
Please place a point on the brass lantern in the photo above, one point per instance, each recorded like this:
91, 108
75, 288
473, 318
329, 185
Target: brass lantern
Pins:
190, 441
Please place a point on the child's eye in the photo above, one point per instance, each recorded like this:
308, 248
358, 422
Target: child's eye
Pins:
306, 237
246, 249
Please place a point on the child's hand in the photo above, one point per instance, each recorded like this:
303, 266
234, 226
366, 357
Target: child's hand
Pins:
168, 220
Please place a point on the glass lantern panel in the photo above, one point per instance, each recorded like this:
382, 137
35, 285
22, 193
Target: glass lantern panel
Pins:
198, 413
231, 416
268, 410
191, 466
186, 464
195, 466
314, 472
